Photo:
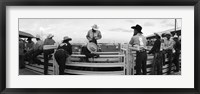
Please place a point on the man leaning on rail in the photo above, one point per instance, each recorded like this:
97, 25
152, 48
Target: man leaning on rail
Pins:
47, 53
62, 54
138, 42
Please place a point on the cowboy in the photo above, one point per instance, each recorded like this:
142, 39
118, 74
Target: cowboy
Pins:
168, 48
138, 41
156, 51
38, 49
29, 50
94, 34
177, 48
30, 45
21, 54
63, 51
47, 53
89, 50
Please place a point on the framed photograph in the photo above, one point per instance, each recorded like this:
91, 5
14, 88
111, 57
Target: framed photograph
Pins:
87, 46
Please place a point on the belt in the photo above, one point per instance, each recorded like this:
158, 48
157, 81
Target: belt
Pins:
60, 50
141, 51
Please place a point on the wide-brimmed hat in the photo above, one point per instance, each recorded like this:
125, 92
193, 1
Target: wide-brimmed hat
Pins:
156, 34
168, 34
95, 27
138, 28
92, 47
67, 38
175, 36
50, 36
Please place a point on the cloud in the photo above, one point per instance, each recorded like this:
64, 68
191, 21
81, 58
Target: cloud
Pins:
130, 21
164, 21
170, 24
120, 30
148, 24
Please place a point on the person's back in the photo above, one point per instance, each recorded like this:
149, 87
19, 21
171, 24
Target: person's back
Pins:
62, 54
30, 45
21, 47
156, 46
139, 40
39, 45
49, 41
67, 47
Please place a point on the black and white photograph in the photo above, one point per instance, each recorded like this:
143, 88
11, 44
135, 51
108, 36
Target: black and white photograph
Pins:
99, 46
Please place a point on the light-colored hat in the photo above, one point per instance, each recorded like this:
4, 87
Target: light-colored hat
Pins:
67, 38
168, 33
37, 36
50, 36
175, 36
92, 47
156, 34
95, 27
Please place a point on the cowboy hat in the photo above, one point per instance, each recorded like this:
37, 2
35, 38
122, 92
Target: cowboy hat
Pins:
167, 33
95, 27
67, 38
50, 36
157, 35
92, 47
137, 27
175, 36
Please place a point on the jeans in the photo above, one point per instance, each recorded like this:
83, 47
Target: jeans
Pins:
47, 53
141, 59
176, 61
21, 61
169, 56
61, 57
34, 57
157, 64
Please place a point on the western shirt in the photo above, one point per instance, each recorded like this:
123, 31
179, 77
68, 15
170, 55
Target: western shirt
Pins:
39, 45
168, 44
93, 35
67, 47
139, 40
49, 41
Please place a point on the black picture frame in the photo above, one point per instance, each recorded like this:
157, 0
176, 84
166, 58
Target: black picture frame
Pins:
4, 3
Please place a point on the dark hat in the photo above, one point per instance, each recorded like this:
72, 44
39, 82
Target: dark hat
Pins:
67, 38
156, 34
163, 34
168, 34
137, 27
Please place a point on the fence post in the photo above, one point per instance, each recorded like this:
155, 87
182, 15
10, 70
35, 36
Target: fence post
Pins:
128, 57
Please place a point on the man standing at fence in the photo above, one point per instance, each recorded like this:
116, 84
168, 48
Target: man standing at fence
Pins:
157, 60
94, 34
168, 47
29, 50
38, 49
177, 48
138, 41
47, 53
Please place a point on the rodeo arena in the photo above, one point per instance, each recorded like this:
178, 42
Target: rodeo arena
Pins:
155, 54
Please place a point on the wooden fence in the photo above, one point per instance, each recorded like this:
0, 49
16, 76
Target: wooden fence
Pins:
109, 63
130, 57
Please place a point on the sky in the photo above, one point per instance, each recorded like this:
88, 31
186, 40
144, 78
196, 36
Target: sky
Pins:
112, 30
